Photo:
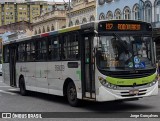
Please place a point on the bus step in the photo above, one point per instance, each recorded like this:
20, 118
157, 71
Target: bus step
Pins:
90, 99
90, 95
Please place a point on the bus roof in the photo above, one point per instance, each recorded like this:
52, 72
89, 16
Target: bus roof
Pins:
68, 29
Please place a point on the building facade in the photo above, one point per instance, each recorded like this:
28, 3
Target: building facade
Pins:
81, 11
144, 10
50, 21
12, 11
18, 27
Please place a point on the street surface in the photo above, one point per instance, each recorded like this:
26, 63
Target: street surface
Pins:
12, 101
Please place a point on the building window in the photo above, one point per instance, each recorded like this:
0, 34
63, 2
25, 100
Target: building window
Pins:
157, 10
70, 23
44, 30
52, 28
39, 31
77, 22
148, 12
136, 12
109, 15
117, 14
84, 20
35, 32
127, 13
92, 18
101, 2
48, 29
101, 16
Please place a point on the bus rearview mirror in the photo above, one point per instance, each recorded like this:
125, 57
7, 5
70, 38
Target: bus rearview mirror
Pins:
95, 42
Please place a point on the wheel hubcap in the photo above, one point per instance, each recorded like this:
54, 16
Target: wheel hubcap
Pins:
72, 93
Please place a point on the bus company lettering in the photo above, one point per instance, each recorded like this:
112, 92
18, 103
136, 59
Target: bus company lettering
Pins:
59, 67
144, 81
120, 82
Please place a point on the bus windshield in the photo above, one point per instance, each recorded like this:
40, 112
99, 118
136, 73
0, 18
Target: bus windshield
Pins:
125, 52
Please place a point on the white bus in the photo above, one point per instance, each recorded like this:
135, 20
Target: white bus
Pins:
98, 61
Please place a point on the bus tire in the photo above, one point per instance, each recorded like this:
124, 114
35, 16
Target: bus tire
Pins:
72, 95
22, 87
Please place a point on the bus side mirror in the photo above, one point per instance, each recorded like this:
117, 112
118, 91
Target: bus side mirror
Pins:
95, 42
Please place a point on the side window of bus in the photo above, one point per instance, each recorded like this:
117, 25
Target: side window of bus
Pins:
54, 48
21, 52
6, 54
70, 47
42, 49
30, 50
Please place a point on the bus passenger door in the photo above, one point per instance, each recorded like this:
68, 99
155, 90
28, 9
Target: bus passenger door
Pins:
12, 65
88, 81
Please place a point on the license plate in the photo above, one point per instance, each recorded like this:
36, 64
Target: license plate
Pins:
134, 92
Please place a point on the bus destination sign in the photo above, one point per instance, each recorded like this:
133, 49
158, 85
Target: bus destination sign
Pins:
123, 27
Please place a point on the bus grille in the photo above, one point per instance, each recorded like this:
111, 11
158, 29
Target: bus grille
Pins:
126, 93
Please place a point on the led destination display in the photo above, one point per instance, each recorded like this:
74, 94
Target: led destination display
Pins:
123, 26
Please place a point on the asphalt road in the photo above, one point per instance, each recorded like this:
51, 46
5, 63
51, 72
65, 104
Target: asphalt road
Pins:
12, 101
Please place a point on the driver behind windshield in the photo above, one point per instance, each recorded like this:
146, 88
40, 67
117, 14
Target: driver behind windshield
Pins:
125, 55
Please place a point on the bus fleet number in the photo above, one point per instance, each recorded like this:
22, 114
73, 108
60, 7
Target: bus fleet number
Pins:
59, 67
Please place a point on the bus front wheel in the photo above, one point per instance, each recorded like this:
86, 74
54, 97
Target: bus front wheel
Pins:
22, 87
72, 95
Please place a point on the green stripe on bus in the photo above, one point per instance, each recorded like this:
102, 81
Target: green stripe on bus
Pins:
69, 29
78, 72
118, 81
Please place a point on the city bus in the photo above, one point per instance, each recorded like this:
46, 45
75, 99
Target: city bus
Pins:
97, 61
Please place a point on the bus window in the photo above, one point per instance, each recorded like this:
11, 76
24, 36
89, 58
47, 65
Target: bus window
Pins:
53, 53
30, 51
21, 52
42, 49
71, 47
6, 54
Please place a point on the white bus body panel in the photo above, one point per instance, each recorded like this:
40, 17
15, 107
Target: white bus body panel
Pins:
20, 70
41, 77
30, 74
44, 77
55, 81
6, 73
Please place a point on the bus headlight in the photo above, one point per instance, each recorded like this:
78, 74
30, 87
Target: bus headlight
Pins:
154, 81
106, 84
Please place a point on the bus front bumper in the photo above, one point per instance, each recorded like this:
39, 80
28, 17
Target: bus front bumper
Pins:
106, 94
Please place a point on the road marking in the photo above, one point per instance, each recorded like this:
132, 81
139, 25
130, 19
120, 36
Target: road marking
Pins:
14, 89
4, 86
5, 92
